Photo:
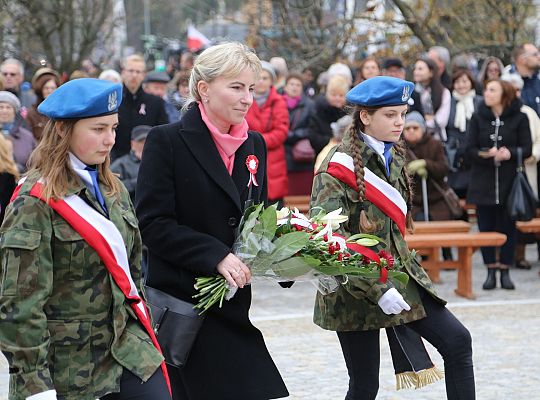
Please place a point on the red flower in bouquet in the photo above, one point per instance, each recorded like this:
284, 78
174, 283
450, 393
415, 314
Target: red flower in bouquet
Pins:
388, 259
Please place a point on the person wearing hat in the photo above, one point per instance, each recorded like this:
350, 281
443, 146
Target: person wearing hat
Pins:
366, 177
44, 82
74, 324
269, 116
156, 83
127, 167
426, 160
11, 122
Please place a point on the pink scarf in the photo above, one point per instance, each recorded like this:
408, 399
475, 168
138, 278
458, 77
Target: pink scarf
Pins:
292, 102
226, 143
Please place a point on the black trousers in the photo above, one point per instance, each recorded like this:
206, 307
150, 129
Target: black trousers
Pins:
132, 388
496, 218
441, 328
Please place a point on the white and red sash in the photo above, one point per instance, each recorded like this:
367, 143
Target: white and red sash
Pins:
379, 192
103, 236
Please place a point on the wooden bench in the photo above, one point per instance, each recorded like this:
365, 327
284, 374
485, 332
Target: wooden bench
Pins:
466, 244
300, 202
451, 226
532, 226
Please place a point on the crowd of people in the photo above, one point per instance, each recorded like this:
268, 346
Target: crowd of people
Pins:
169, 134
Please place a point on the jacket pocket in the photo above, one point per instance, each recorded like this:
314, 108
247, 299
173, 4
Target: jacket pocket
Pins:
18, 249
69, 254
70, 355
132, 228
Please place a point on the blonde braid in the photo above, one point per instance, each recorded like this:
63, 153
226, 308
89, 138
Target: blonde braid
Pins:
400, 148
364, 223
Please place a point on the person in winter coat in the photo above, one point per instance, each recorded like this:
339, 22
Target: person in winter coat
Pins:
463, 104
329, 107
531, 164
127, 167
268, 115
11, 122
360, 307
44, 82
496, 130
435, 98
8, 174
191, 194
137, 107
300, 154
74, 324
426, 160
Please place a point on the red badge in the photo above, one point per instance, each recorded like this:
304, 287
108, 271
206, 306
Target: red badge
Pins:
252, 164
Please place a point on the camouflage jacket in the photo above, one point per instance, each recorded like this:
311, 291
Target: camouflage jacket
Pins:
353, 307
64, 322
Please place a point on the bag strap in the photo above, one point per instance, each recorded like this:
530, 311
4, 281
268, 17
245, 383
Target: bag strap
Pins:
519, 151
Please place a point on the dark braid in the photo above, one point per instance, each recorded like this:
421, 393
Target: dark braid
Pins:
401, 149
354, 128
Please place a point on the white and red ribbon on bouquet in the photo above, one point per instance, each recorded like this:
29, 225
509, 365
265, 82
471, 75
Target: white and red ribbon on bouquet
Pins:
301, 222
252, 164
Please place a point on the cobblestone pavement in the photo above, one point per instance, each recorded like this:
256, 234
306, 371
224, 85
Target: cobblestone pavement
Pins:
505, 326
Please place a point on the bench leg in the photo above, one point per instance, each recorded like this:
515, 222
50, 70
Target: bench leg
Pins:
434, 272
464, 283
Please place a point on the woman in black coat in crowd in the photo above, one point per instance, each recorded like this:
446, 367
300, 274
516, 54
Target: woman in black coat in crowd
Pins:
496, 130
192, 188
329, 107
300, 108
463, 104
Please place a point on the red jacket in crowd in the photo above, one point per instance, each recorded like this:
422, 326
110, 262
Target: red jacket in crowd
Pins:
272, 121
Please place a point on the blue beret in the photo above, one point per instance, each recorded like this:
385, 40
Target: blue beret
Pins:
381, 91
82, 98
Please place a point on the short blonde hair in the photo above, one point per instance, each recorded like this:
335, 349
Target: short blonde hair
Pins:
134, 58
223, 60
338, 83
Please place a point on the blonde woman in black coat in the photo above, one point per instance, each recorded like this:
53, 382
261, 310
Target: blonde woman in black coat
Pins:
496, 130
191, 192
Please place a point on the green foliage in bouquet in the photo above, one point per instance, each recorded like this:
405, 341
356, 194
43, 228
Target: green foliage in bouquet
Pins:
285, 245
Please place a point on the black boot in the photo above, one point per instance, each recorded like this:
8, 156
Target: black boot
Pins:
506, 282
491, 280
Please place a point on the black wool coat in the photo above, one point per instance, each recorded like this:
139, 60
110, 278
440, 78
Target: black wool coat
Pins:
189, 208
136, 109
514, 133
299, 118
320, 131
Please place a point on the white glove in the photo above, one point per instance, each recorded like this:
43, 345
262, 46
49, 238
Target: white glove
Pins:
47, 395
392, 302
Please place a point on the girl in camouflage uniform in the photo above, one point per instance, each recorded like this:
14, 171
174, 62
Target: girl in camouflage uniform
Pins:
360, 307
68, 330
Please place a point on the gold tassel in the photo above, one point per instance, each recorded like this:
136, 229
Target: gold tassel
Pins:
405, 380
411, 379
428, 376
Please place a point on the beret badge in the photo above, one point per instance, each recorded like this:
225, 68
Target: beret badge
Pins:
113, 101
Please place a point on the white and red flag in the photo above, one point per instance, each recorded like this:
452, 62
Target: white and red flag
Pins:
195, 39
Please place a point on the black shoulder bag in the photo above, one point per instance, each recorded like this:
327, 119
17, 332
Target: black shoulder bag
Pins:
176, 325
521, 202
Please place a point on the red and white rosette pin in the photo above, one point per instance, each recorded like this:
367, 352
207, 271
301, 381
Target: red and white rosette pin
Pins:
252, 164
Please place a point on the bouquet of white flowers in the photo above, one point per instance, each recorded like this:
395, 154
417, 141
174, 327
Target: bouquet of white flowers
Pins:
285, 245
